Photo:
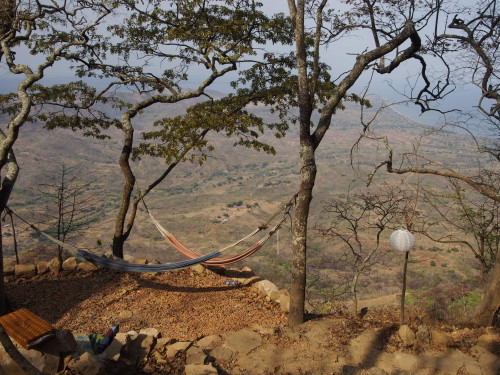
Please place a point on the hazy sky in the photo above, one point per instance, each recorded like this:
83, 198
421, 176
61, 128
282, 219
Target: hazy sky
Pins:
335, 57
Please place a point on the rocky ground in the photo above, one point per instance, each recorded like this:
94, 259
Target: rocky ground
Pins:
203, 326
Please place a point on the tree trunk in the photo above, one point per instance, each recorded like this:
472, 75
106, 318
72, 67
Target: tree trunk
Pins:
3, 307
299, 236
403, 291
488, 311
120, 235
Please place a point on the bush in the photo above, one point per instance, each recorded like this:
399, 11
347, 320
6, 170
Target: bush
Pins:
444, 265
433, 263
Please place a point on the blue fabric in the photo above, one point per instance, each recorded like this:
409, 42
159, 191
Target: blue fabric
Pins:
120, 265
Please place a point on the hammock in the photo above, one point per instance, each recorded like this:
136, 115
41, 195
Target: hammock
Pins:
222, 261
120, 265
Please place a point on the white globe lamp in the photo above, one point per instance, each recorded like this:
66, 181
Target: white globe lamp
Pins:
402, 240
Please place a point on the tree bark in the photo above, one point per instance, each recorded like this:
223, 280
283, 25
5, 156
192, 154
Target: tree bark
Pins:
299, 237
120, 235
488, 311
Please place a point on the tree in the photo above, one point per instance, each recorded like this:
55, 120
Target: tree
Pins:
468, 51
226, 35
395, 39
358, 222
467, 219
70, 207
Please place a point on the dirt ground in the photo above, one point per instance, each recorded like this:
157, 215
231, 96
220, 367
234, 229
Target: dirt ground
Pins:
186, 306
183, 304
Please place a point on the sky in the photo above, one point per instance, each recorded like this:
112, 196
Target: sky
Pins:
335, 57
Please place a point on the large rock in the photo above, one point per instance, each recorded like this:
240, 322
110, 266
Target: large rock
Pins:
42, 267
70, 264
200, 370
87, 364
25, 270
113, 350
177, 347
265, 286
222, 353
48, 363
243, 341
195, 356
86, 266
440, 338
406, 335
150, 332
423, 335
209, 342
54, 265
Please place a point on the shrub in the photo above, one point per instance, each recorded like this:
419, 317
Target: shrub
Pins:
433, 263
444, 265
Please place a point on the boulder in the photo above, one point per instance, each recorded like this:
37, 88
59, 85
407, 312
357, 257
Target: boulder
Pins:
180, 346
42, 267
243, 341
150, 332
25, 270
87, 364
48, 363
209, 342
70, 264
54, 265
113, 350
406, 335
440, 338
137, 350
140, 261
195, 356
265, 286
222, 353
200, 370
86, 266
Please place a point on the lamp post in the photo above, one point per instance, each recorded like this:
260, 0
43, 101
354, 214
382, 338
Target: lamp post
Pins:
402, 241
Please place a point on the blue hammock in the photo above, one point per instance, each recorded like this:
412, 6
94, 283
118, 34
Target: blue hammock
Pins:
119, 265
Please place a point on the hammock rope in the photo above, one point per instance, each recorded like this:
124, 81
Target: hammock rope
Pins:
222, 261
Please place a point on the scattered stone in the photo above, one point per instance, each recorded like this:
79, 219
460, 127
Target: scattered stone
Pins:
278, 294
87, 364
8, 271
285, 303
195, 356
180, 346
163, 341
112, 352
54, 266
140, 261
125, 314
200, 370
25, 270
70, 264
150, 332
222, 353
243, 341
42, 267
131, 335
265, 286
86, 266
406, 335
48, 363
138, 350
209, 342
440, 338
